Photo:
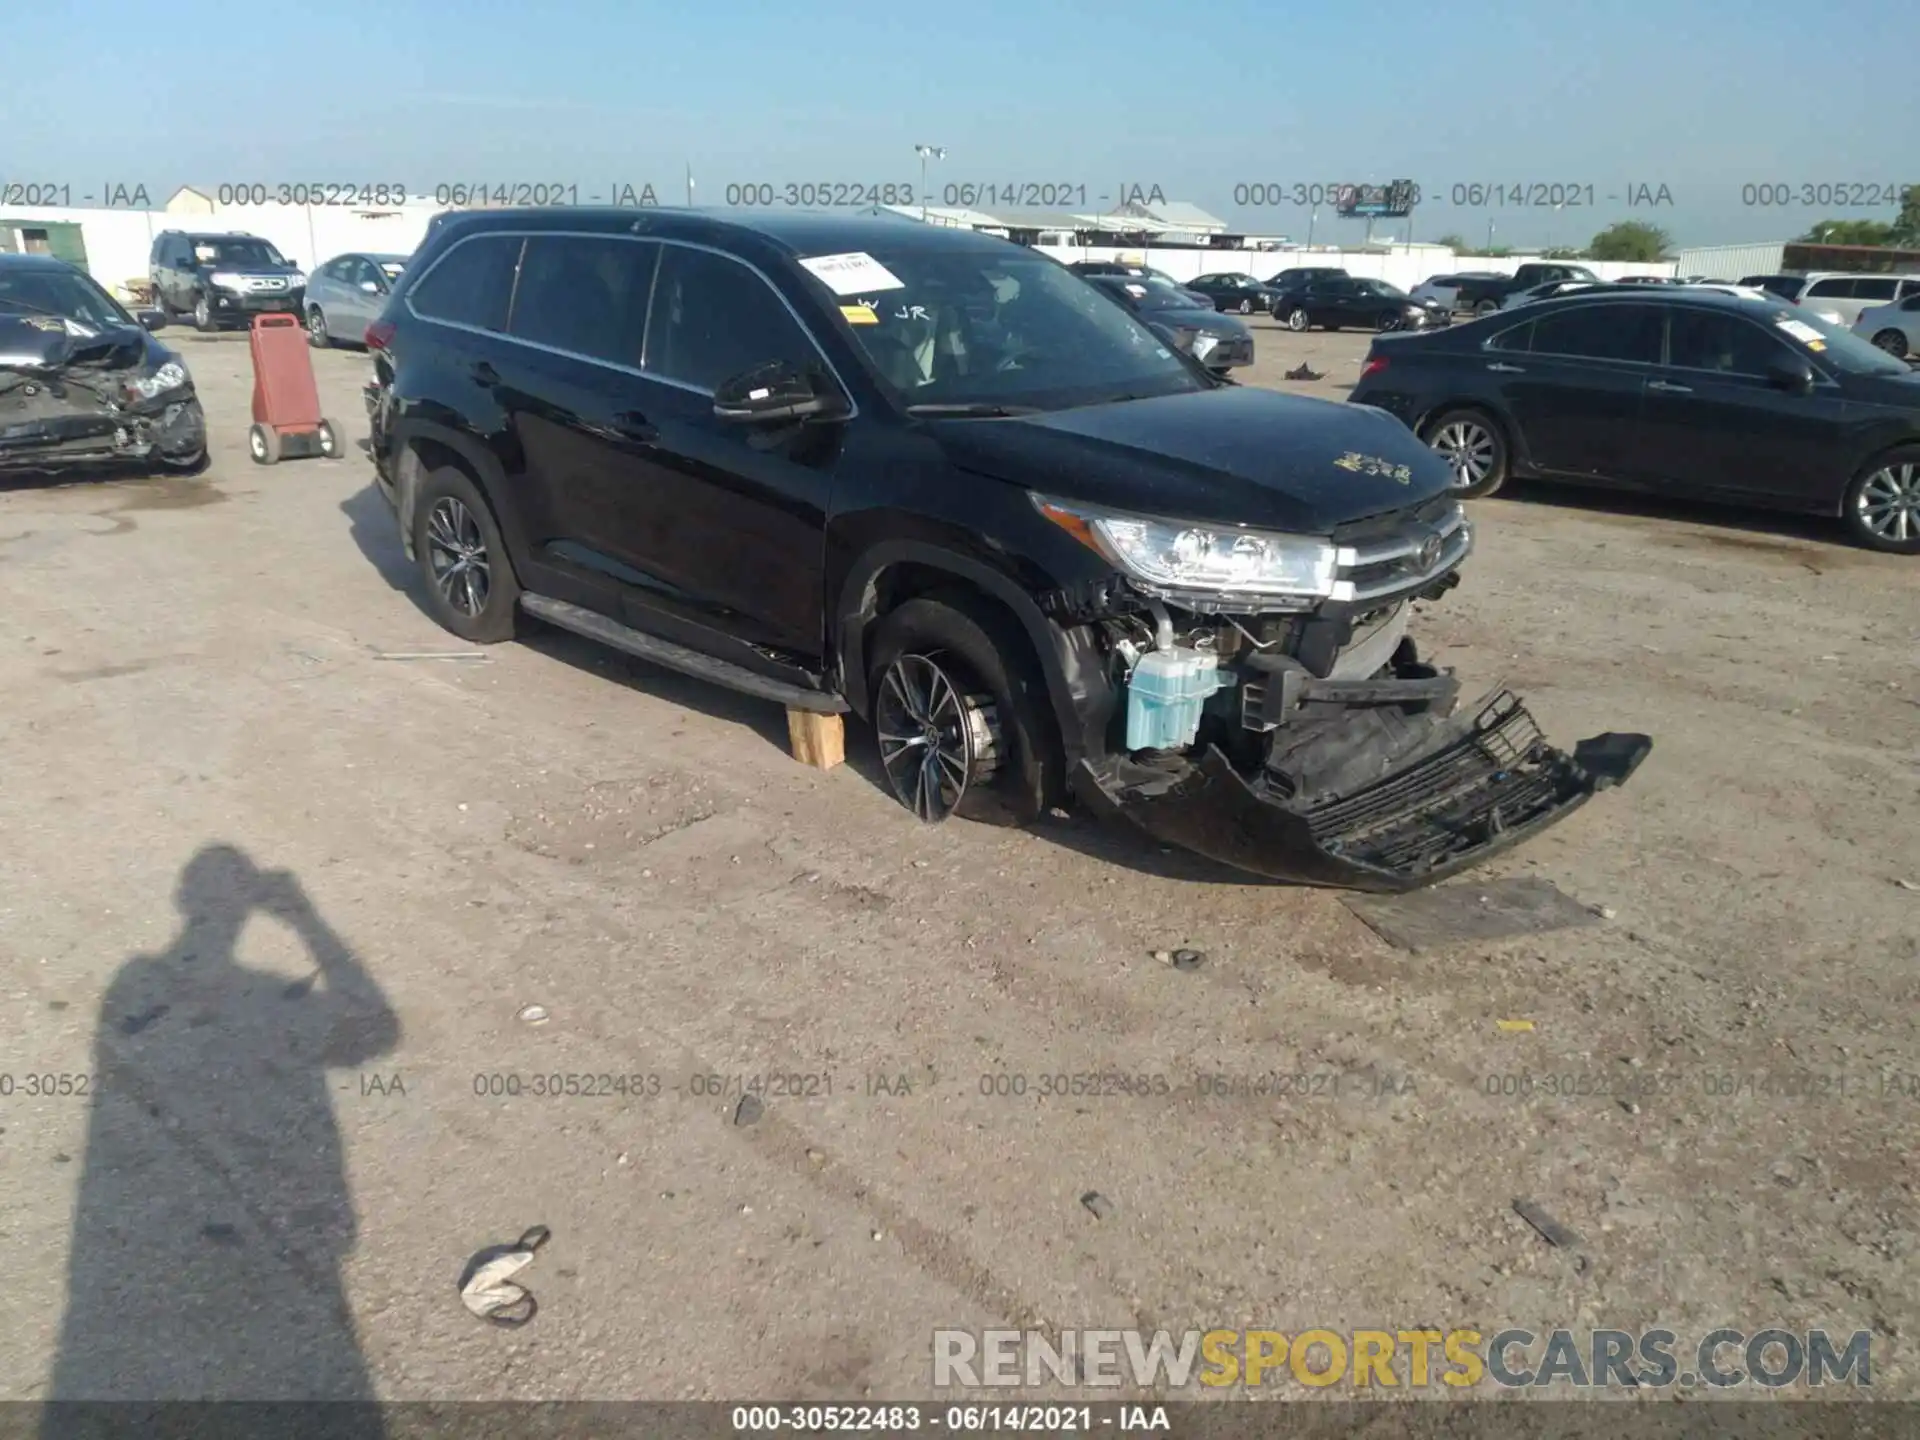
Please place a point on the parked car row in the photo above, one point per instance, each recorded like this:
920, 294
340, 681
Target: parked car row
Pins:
1685, 389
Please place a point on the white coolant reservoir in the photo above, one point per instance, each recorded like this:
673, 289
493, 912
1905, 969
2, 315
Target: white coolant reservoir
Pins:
1165, 694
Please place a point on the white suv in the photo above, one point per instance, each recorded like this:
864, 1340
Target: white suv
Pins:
1828, 292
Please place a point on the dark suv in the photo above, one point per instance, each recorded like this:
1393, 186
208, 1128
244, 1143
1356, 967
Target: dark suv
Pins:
218, 279
937, 480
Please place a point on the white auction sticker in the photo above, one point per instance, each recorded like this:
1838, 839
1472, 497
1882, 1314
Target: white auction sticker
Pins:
854, 273
1801, 331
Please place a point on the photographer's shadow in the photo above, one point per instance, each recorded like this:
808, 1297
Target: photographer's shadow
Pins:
214, 1216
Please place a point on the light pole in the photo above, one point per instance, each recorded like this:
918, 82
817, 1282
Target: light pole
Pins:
1312, 220
1489, 236
926, 153
1554, 224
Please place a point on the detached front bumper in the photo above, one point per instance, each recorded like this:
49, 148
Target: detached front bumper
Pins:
1465, 789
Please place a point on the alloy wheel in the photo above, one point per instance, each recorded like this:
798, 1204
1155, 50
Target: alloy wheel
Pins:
1296, 319
457, 557
1893, 342
317, 326
1468, 449
202, 312
1889, 502
935, 740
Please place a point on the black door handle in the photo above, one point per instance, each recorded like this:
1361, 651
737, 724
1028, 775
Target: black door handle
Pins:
486, 374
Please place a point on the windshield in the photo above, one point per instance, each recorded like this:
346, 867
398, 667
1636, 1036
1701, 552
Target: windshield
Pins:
236, 252
966, 327
1381, 287
60, 292
392, 268
1833, 343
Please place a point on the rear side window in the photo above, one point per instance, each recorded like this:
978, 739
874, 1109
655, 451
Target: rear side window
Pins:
1601, 332
1912, 302
713, 318
1909, 287
586, 295
471, 284
1875, 287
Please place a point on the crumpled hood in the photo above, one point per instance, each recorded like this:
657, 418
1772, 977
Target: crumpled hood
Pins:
1238, 455
46, 342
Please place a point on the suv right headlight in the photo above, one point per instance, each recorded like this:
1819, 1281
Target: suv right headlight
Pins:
1205, 562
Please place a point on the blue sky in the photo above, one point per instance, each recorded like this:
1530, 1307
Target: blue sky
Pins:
1701, 96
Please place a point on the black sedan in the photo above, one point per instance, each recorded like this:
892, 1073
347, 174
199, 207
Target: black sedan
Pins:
1234, 290
1675, 390
83, 385
1219, 342
1087, 269
1343, 304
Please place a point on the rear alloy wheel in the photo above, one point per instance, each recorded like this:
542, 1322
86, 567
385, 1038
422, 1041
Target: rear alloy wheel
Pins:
962, 716
1472, 446
1893, 342
471, 589
1883, 503
317, 335
1297, 319
1486, 307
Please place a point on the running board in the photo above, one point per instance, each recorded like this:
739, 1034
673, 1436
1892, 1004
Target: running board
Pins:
625, 638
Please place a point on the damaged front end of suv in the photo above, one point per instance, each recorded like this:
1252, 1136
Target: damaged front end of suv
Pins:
1263, 704
74, 395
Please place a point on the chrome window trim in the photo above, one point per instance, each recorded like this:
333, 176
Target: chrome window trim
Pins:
639, 371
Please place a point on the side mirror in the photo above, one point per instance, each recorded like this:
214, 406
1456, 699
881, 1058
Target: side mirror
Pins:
372, 287
152, 319
773, 392
1794, 375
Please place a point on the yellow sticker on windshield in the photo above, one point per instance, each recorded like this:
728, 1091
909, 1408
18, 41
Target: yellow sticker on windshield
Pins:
859, 314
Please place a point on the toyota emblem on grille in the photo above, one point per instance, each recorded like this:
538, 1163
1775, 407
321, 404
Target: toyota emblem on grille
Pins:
1429, 552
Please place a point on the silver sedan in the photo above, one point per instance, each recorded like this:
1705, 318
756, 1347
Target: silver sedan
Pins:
347, 294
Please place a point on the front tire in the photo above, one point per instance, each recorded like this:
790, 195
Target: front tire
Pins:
1882, 508
962, 715
471, 587
1485, 308
1246, 307
1298, 320
263, 444
318, 335
1474, 449
203, 317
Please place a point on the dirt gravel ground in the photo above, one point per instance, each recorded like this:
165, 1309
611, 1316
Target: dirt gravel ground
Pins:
274, 1182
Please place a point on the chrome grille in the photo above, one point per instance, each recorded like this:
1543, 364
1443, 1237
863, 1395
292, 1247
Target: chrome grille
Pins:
1414, 553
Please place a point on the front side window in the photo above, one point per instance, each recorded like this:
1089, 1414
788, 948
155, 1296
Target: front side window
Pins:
1875, 287
714, 318
1830, 290
1711, 340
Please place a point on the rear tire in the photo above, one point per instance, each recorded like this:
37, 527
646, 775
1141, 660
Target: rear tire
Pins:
471, 587
1475, 448
1485, 307
1893, 342
318, 335
263, 444
1882, 509
1298, 320
998, 717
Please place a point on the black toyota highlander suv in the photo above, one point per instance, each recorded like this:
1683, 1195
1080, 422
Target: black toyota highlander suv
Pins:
935, 479
221, 278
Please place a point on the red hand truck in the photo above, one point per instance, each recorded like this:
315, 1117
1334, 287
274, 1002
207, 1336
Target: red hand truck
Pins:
286, 401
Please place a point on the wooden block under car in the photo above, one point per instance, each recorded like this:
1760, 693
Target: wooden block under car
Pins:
817, 740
